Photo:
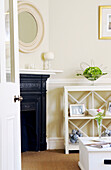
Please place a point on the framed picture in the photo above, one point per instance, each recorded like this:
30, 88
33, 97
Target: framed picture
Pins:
77, 110
109, 107
105, 22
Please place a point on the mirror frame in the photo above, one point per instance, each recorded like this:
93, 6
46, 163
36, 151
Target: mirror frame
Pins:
30, 8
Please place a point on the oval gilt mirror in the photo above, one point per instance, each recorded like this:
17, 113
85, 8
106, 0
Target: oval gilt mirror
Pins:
31, 27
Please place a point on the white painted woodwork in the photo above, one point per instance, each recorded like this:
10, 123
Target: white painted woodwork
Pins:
93, 91
89, 88
92, 158
81, 81
55, 143
66, 123
35, 71
92, 100
10, 148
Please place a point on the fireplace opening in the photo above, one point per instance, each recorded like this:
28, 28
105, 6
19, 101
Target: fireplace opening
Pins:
28, 133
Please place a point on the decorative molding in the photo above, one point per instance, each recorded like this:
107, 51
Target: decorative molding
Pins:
55, 143
78, 81
29, 106
30, 85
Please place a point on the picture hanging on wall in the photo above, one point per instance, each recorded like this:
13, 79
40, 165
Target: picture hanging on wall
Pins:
105, 22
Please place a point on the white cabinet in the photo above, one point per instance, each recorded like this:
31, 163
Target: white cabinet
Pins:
94, 158
92, 97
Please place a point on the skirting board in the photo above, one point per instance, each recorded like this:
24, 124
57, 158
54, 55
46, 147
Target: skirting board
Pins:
55, 143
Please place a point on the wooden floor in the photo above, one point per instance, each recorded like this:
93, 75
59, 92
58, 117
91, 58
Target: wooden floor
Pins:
50, 160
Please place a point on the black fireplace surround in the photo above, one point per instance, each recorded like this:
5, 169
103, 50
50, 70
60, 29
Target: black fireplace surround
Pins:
33, 112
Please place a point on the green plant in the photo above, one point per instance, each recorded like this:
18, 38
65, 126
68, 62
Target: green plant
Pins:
92, 73
99, 116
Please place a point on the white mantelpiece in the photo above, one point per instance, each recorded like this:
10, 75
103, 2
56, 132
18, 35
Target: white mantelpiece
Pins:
33, 71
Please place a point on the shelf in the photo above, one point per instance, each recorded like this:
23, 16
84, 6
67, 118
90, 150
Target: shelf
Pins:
35, 71
41, 72
87, 117
80, 117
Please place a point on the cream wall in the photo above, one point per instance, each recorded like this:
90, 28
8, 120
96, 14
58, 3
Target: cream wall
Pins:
74, 35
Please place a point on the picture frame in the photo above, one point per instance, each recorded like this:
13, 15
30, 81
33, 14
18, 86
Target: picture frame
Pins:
104, 23
77, 110
109, 107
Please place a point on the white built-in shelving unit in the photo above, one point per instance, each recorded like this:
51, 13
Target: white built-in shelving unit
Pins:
92, 91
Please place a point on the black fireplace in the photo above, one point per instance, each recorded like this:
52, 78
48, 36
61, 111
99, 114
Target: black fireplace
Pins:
33, 112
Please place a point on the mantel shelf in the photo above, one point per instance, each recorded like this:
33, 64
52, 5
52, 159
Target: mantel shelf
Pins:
34, 71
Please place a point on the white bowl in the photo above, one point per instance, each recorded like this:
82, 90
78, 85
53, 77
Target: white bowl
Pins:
94, 112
